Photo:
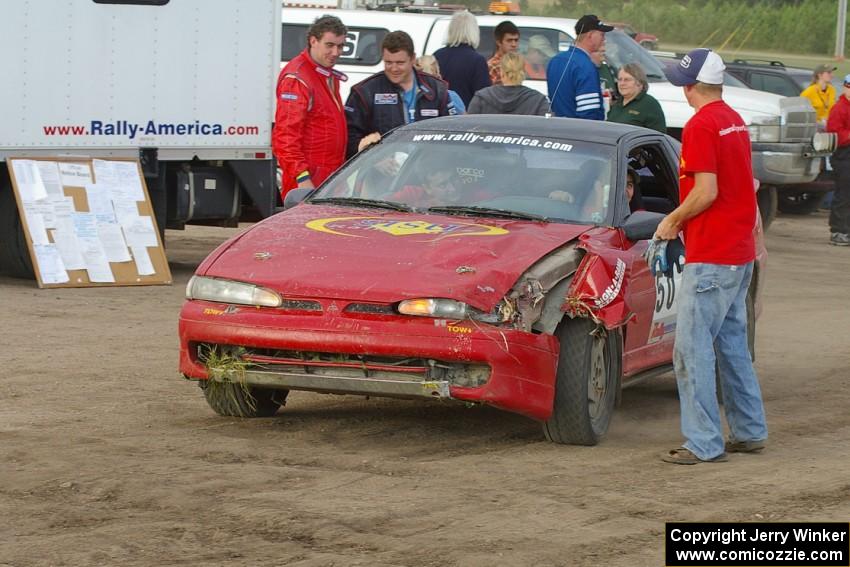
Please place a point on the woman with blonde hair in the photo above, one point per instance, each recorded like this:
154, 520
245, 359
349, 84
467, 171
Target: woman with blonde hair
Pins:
821, 93
428, 64
510, 97
462, 66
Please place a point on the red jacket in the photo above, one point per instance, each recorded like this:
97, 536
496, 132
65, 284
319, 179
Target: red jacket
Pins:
839, 121
310, 132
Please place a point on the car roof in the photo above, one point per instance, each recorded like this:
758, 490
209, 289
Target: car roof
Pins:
549, 127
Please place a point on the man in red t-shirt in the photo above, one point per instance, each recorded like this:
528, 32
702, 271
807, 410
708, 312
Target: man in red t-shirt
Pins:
717, 216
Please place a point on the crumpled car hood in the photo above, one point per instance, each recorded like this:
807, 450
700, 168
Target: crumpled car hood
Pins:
373, 255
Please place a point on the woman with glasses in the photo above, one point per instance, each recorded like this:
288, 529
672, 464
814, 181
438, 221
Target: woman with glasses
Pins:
635, 106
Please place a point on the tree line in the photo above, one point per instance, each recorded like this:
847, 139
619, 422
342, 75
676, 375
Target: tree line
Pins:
797, 26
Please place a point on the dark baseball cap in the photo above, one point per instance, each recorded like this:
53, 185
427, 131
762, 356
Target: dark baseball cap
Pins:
589, 23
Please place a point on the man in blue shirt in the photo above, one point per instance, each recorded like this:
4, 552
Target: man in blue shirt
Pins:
572, 77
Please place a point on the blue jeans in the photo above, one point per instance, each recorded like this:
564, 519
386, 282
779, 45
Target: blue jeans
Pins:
712, 317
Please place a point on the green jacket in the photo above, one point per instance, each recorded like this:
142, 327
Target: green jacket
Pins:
643, 110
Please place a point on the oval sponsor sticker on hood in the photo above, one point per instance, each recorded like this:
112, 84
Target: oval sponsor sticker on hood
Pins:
365, 226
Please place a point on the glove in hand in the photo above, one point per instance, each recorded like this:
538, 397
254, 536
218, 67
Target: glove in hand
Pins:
665, 255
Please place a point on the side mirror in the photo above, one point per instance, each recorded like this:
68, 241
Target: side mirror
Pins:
641, 225
295, 196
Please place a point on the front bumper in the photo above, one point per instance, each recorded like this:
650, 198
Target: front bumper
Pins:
521, 365
785, 163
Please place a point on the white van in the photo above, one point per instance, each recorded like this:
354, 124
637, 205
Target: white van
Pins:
782, 129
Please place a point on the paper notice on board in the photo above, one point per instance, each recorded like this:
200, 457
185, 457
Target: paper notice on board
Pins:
85, 225
143, 261
37, 229
140, 232
113, 242
75, 174
52, 180
100, 202
68, 247
127, 174
50, 264
30, 186
125, 209
45, 209
97, 265
104, 172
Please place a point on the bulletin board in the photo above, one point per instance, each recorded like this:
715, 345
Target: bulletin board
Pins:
88, 222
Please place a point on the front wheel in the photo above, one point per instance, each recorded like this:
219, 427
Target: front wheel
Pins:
239, 400
586, 383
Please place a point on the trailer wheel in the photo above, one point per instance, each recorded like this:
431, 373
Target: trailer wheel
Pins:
799, 203
586, 383
14, 254
238, 400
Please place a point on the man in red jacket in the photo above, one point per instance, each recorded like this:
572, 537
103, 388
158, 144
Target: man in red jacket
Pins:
310, 133
839, 122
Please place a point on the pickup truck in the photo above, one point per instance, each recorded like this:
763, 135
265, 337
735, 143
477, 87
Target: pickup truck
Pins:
786, 149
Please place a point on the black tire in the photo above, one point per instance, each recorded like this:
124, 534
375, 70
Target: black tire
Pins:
14, 255
236, 400
768, 202
799, 203
586, 384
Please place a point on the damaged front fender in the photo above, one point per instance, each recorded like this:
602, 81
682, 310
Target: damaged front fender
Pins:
598, 289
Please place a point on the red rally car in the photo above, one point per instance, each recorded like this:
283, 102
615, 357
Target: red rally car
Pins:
484, 259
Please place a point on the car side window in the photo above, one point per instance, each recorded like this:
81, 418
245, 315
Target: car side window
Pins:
537, 45
362, 45
658, 188
774, 83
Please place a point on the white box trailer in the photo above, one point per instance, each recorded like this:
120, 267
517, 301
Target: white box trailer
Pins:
186, 85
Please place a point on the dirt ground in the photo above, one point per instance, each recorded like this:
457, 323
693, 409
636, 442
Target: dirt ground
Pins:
108, 457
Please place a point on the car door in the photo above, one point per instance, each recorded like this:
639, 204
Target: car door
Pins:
648, 340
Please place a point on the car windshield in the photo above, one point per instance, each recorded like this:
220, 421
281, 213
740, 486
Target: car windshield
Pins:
479, 174
620, 49
731, 80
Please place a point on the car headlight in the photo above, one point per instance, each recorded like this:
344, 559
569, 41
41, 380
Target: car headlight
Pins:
441, 308
228, 291
766, 129
825, 141
452, 309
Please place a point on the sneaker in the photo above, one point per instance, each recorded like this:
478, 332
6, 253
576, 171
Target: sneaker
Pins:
744, 446
840, 239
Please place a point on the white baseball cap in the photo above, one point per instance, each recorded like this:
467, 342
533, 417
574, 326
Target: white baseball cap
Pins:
698, 66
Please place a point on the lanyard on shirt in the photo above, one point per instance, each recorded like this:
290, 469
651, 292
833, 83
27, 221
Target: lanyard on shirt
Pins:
410, 101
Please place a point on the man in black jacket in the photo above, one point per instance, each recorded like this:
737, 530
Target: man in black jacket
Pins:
399, 95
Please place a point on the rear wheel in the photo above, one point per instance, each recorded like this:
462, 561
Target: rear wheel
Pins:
799, 203
586, 384
239, 400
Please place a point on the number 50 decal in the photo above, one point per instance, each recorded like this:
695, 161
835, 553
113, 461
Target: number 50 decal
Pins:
665, 292
664, 316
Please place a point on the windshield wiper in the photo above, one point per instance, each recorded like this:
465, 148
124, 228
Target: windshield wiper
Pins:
485, 212
358, 202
